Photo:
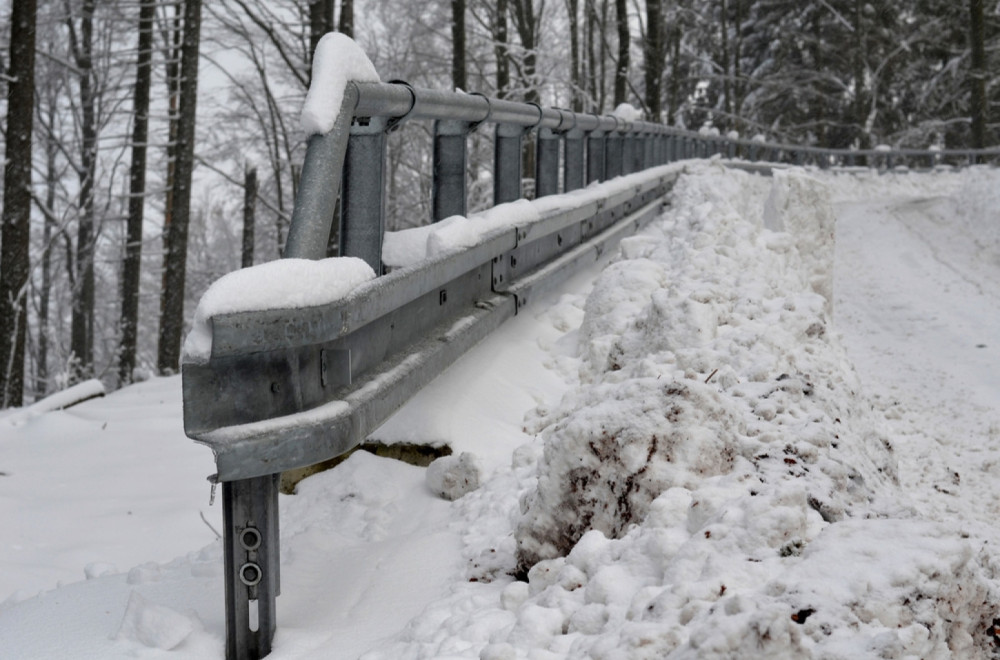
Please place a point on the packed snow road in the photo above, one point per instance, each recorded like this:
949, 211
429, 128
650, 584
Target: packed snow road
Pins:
918, 304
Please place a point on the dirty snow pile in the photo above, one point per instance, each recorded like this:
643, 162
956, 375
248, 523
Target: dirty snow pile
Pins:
718, 485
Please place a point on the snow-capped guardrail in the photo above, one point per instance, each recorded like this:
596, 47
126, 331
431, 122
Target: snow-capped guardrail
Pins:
280, 373
296, 362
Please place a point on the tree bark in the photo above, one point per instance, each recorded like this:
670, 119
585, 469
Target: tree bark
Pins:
458, 68
48, 236
249, 213
137, 196
82, 317
175, 259
977, 73
500, 39
16, 216
526, 24
624, 41
576, 76
654, 58
346, 25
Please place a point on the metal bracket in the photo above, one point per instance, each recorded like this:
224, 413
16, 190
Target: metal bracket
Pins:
394, 123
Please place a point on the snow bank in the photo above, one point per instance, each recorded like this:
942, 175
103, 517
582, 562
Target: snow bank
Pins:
337, 61
718, 485
281, 284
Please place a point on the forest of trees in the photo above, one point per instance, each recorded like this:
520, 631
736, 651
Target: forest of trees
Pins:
151, 146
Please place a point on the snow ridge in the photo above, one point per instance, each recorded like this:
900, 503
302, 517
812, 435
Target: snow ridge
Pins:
717, 463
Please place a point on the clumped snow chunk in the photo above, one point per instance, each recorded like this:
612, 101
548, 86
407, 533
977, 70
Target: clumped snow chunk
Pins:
451, 477
337, 61
155, 626
281, 284
627, 112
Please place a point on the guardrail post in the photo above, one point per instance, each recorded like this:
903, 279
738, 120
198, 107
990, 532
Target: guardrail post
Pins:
574, 174
362, 202
546, 163
596, 147
614, 152
507, 143
250, 518
312, 218
449, 190
628, 153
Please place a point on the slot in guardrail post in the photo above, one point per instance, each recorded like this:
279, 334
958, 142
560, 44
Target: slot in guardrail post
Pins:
507, 145
449, 189
574, 174
250, 518
596, 147
546, 163
362, 200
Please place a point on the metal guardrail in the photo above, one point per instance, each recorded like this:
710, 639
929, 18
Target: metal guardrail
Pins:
288, 388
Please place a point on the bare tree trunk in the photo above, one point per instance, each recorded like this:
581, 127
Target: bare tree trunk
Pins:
977, 73
503, 59
727, 83
249, 213
51, 183
346, 25
175, 259
526, 24
137, 199
458, 68
16, 217
320, 22
576, 99
675, 76
591, 60
624, 41
654, 58
82, 319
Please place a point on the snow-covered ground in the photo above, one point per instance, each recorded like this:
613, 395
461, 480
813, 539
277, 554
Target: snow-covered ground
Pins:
741, 439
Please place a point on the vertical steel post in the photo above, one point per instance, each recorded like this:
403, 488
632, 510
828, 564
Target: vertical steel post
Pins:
596, 146
574, 174
507, 143
449, 189
546, 163
253, 581
629, 145
614, 152
362, 202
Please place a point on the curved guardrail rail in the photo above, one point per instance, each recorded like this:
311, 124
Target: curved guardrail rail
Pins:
288, 388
